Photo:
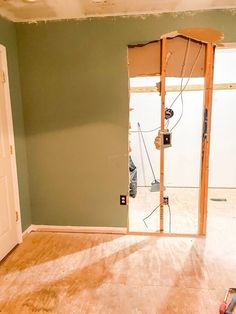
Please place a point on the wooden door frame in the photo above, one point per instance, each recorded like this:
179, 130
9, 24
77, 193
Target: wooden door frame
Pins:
206, 137
205, 144
12, 143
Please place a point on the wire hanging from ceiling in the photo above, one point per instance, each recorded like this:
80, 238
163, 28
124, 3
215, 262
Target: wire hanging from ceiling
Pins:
182, 89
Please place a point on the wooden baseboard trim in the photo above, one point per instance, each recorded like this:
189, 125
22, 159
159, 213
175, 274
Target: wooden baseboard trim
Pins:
101, 230
75, 229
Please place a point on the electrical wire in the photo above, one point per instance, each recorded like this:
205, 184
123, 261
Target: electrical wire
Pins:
182, 73
190, 76
150, 214
170, 216
146, 150
181, 115
167, 124
145, 131
185, 58
182, 89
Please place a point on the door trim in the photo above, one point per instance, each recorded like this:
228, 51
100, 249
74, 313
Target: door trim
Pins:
12, 143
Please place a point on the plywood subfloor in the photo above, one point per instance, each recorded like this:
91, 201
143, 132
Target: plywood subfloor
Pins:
184, 208
114, 274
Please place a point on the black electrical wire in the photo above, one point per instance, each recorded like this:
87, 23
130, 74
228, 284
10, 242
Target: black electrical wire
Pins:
150, 214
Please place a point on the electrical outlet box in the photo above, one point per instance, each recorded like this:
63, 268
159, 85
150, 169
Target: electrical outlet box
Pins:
123, 200
166, 140
166, 200
163, 140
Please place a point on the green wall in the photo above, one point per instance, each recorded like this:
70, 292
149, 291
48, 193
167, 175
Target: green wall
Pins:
75, 97
8, 39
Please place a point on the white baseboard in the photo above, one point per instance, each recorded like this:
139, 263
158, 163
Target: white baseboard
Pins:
27, 231
75, 229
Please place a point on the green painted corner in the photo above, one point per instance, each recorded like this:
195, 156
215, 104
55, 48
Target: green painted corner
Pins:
8, 39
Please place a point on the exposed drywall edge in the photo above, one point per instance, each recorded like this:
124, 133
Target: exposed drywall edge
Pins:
230, 45
4, 17
138, 15
79, 229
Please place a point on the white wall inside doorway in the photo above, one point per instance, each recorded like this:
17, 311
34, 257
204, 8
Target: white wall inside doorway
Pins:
182, 160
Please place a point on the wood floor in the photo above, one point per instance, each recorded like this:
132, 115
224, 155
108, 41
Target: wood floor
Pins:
111, 274
184, 209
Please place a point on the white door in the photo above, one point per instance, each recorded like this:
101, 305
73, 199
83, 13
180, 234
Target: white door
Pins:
8, 224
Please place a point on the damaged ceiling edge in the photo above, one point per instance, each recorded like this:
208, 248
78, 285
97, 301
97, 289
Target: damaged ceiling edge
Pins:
7, 16
137, 14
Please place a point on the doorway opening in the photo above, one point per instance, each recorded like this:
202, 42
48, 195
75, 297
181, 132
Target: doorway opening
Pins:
222, 172
182, 160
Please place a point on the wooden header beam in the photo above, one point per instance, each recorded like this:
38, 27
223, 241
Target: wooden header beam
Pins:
176, 88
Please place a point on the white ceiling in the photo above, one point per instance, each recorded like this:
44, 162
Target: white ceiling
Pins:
20, 10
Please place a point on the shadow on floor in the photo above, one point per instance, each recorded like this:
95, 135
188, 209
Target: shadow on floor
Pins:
41, 247
48, 296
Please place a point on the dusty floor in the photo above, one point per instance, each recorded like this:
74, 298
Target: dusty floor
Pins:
183, 205
85, 273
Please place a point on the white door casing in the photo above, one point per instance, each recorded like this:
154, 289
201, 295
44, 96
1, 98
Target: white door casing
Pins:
10, 222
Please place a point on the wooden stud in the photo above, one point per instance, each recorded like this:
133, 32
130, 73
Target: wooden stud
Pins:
206, 132
163, 94
164, 234
176, 88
